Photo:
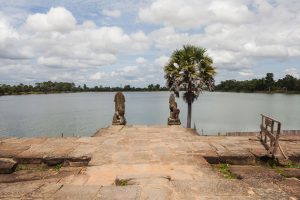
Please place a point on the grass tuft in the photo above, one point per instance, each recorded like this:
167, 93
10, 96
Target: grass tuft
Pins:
122, 182
57, 167
29, 167
225, 171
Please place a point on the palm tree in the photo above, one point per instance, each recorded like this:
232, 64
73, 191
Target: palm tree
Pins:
189, 69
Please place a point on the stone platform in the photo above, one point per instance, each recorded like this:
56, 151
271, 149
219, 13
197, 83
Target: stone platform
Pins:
144, 162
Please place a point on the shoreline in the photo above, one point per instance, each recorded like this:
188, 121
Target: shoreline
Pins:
221, 134
71, 92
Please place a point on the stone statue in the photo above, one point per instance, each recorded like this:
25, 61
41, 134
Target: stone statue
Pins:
119, 116
174, 112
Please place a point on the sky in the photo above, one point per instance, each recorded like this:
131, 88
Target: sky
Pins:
121, 42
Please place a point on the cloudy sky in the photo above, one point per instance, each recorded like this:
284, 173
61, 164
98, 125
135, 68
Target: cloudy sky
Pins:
118, 42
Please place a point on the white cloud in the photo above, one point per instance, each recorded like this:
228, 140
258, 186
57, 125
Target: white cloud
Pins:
194, 14
237, 33
246, 73
140, 60
141, 41
57, 46
111, 13
161, 61
56, 19
98, 76
292, 71
167, 37
56, 40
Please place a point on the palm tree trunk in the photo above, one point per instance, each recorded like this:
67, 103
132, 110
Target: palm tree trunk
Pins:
189, 115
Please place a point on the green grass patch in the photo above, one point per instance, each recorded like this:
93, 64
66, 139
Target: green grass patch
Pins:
280, 169
32, 168
293, 165
57, 167
122, 182
22, 167
225, 171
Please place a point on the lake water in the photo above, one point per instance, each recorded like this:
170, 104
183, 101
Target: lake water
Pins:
83, 113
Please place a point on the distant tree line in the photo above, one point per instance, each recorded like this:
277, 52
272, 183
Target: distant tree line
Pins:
267, 84
62, 87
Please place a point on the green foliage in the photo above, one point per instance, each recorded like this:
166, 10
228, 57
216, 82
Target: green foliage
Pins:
28, 167
191, 70
57, 167
59, 87
22, 167
122, 182
225, 171
293, 165
267, 84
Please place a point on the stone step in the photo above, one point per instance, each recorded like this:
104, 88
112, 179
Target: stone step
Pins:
224, 189
7, 165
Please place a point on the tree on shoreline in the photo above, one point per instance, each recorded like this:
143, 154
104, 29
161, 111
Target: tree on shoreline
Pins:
265, 84
189, 69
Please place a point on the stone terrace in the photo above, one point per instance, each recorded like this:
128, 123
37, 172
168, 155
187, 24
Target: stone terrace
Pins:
145, 162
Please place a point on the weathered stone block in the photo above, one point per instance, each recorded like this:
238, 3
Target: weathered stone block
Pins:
29, 160
291, 172
51, 161
173, 121
236, 158
254, 172
78, 161
7, 165
119, 193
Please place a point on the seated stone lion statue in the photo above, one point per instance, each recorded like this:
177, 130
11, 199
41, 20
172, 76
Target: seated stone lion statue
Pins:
174, 112
119, 116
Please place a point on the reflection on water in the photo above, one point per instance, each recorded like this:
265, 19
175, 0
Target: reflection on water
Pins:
84, 113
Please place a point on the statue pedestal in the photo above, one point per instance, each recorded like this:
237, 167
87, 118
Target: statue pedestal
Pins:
173, 121
118, 121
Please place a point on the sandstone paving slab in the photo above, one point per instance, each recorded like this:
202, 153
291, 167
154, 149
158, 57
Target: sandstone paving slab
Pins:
236, 157
291, 172
100, 158
32, 140
76, 192
155, 192
271, 192
228, 189
119, 193
294, 156
88, 140
256, 172
106, 174
53, 147
19, 189
83, 150
291, 186
142, 179
212, 188
7, 165
10, 150
46, 191
38, 174
24, 175
268, 188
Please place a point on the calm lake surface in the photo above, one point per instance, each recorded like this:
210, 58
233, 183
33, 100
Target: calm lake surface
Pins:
83, 113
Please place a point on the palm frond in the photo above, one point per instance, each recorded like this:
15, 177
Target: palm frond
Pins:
190, 69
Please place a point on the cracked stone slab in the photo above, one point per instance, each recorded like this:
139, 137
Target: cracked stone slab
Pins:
119, 193
7, 165
77, 192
